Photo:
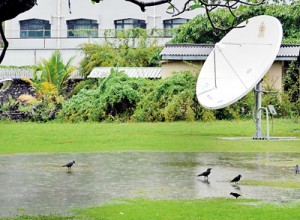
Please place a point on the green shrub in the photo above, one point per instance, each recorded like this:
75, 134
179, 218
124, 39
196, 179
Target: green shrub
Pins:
171, 99
131, 48
113, 100
84, 84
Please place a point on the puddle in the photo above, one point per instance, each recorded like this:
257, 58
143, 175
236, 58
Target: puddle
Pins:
37, 184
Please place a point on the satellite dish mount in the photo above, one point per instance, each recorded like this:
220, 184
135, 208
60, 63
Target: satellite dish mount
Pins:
238, 64
257, 113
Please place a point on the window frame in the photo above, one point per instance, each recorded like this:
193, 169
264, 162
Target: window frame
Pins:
75, 30
35, 28
130, 22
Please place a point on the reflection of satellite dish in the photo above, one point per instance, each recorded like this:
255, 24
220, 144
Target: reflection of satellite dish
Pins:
5, 84
239, 62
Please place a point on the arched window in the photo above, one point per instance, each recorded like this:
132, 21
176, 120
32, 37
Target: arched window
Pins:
82, 28
35, 28
129, 23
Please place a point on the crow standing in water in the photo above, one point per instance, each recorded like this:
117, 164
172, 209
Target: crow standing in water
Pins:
69, 165
205, 173
236, 179
236, 195
297, 169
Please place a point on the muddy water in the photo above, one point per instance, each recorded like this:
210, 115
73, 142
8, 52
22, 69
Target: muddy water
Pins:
37, 184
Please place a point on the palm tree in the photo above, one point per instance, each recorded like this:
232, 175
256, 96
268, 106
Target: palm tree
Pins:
54, 71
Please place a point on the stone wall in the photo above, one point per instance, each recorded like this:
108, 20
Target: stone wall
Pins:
20, 87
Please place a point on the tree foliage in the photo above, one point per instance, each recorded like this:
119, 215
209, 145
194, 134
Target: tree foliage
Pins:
199, 30
131, 48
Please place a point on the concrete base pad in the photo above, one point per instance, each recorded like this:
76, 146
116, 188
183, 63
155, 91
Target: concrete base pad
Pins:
270, 139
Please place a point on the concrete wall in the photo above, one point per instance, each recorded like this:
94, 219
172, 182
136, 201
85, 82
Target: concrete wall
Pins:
273, 78
25, 57
169, 67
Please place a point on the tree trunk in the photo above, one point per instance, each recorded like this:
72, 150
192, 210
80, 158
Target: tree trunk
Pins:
12, 8
8, 10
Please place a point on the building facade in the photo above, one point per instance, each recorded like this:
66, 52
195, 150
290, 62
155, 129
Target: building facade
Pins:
51, 25
191, 57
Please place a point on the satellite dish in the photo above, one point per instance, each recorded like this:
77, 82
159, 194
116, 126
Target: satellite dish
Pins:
5, 84
239, 62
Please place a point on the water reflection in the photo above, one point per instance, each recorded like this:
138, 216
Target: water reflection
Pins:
236, 187
34, 184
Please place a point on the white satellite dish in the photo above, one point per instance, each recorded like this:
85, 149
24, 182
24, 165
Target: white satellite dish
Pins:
5, 84
239, 62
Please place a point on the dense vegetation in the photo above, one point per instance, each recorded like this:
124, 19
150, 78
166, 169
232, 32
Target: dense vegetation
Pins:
130, 48
199, 30
120, 98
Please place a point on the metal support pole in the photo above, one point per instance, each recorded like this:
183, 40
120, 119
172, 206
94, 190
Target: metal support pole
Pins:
267, 119
258, 99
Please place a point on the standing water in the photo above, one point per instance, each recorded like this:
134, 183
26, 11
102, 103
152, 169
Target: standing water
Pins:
38, 184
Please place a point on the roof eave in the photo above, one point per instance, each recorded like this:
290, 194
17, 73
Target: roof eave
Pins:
203, 58
180, 57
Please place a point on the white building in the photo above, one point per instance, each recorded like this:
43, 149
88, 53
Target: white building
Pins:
49, 26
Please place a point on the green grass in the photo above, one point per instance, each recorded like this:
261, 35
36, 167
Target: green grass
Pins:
221, 208
192, 209
282, 183
179, 136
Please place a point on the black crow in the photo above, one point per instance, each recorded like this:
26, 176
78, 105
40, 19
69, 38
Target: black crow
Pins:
297, 169
236, 179
206, 173
69, 165
236, 195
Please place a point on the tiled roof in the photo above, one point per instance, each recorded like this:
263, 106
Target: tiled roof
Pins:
143, 72
201, 51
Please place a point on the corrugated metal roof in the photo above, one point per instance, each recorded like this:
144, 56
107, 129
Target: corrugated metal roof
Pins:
143, 72
15, 73
19, 73
187, 49
201, 51
289, 50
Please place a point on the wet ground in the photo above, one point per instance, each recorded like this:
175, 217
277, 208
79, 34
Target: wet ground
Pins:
37, 184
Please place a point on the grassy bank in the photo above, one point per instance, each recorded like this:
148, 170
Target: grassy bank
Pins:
221, 208
180, 136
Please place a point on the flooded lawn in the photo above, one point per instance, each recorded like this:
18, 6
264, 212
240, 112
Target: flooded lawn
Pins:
37, 184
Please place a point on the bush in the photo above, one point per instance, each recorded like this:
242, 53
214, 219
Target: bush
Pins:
171, 99
131, 48
113, 100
